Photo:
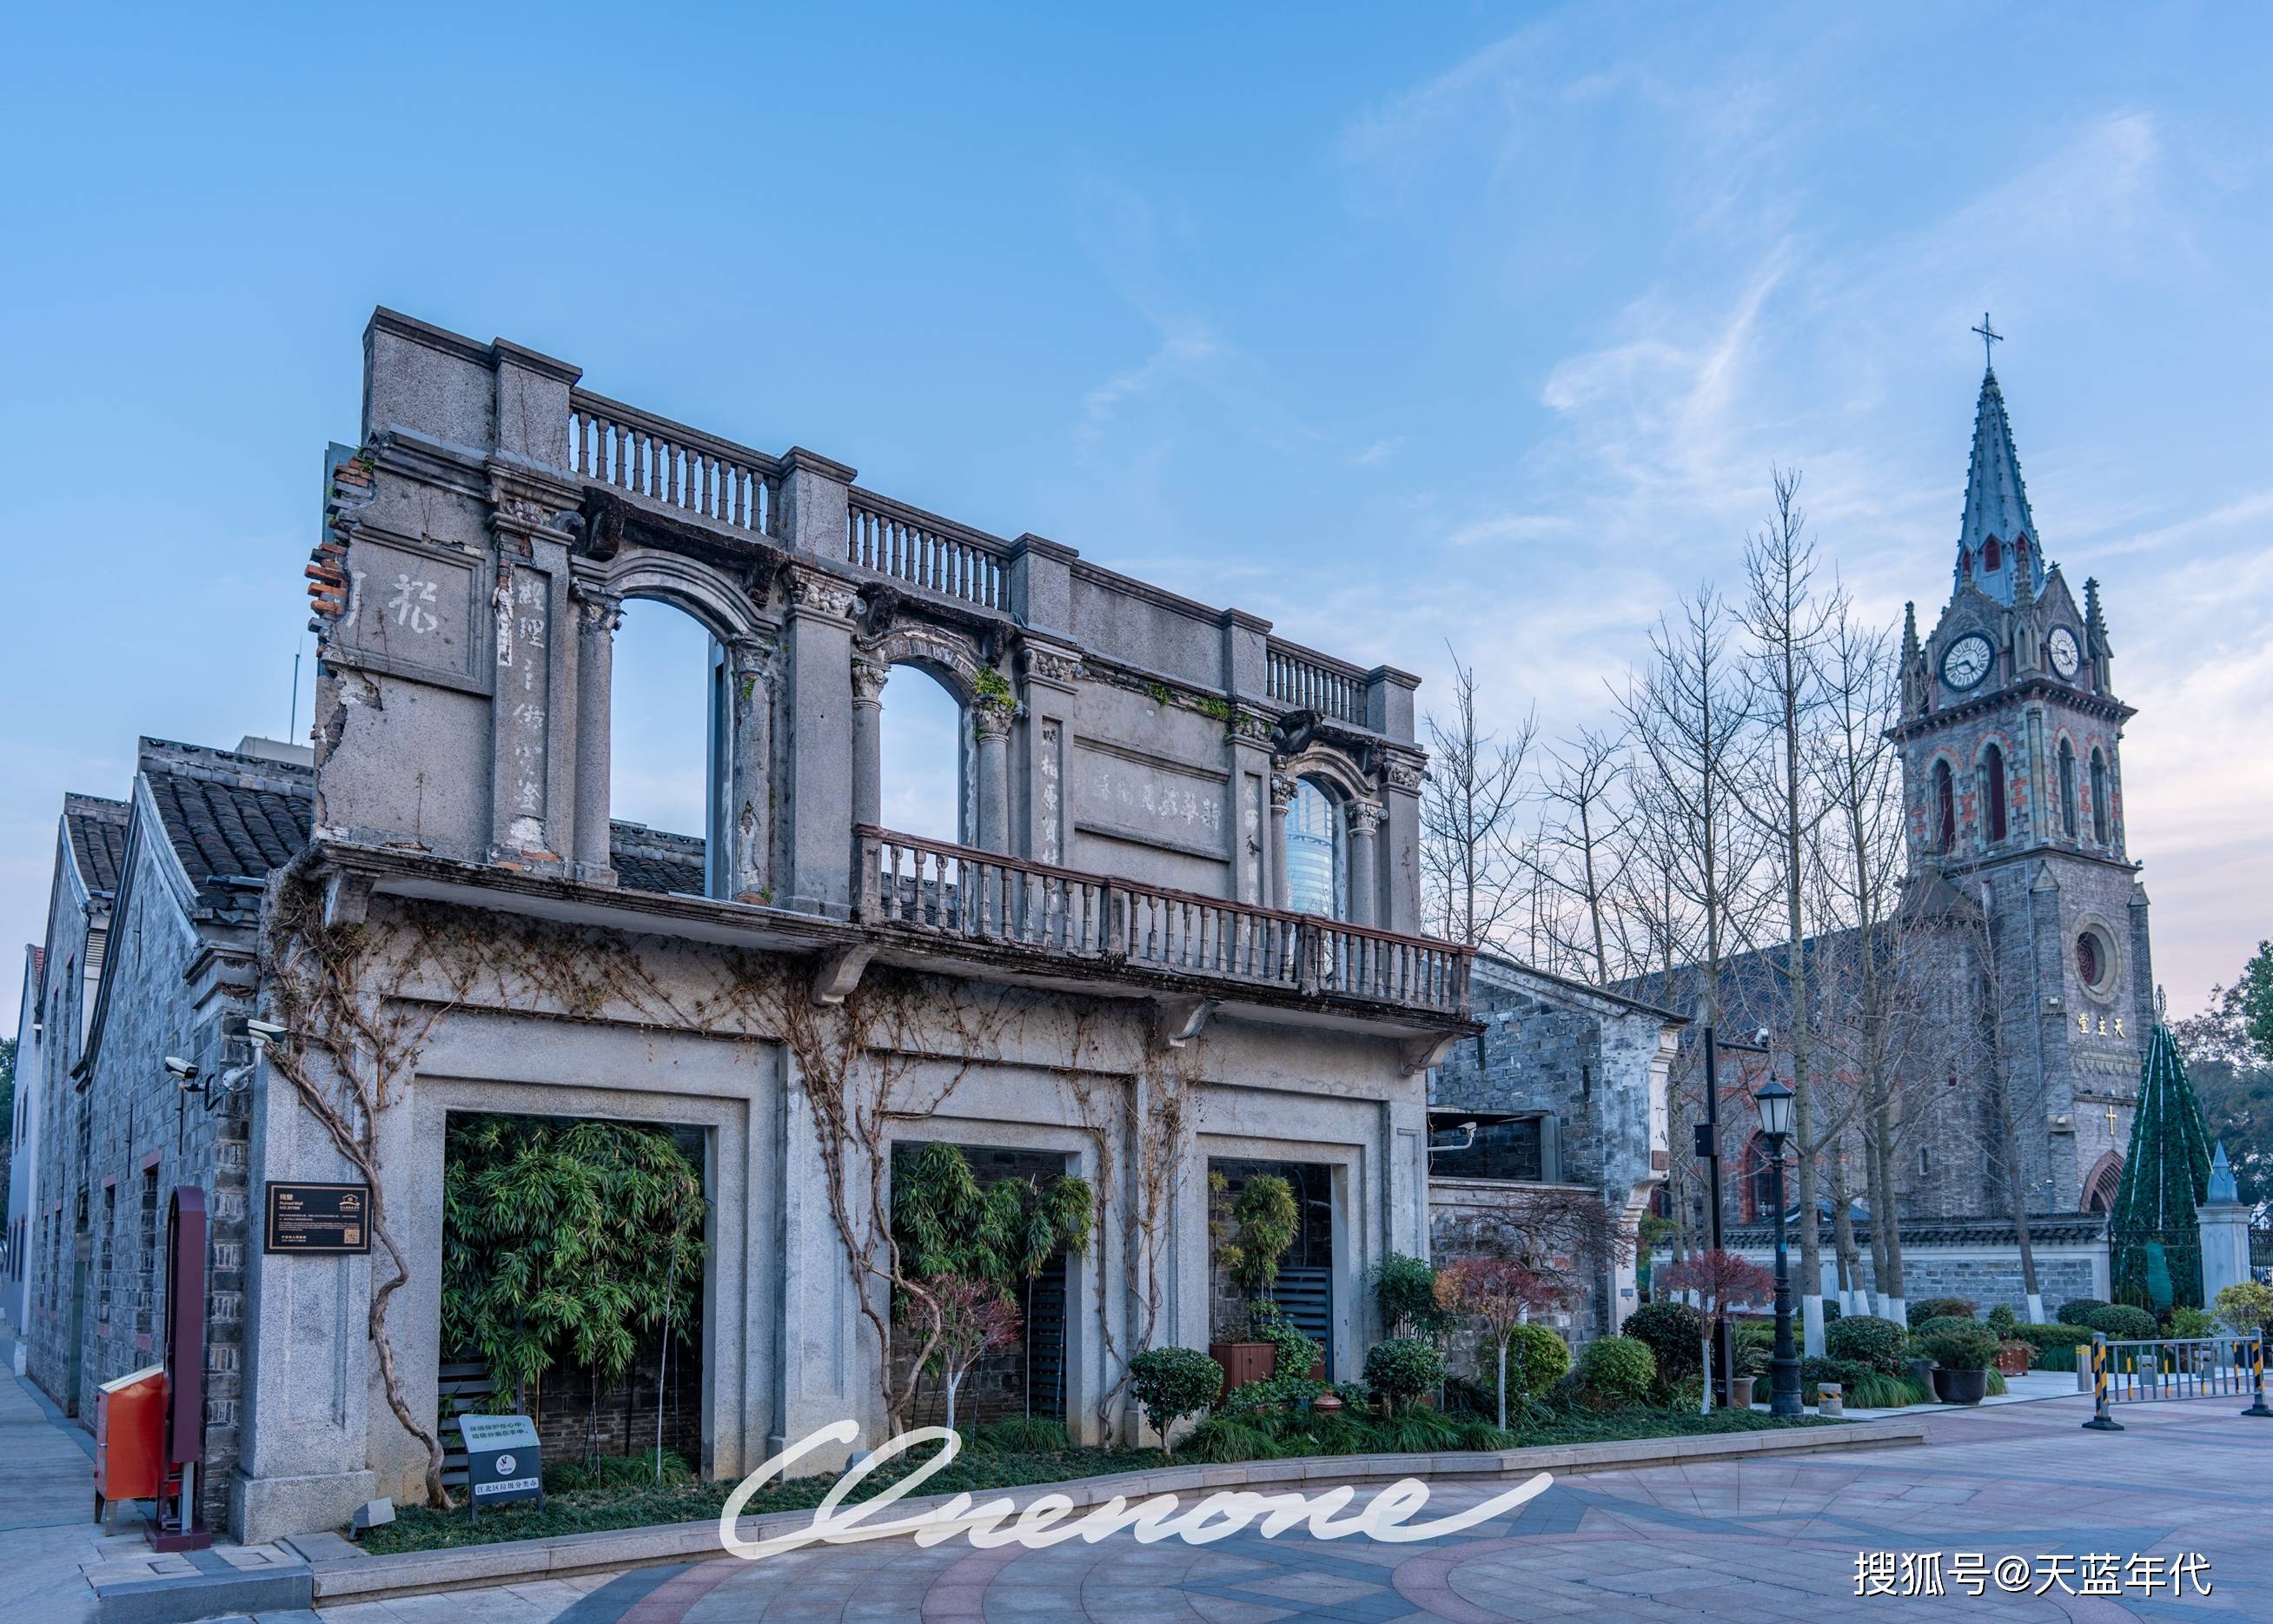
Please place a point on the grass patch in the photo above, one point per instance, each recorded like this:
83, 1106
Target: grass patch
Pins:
625, 1498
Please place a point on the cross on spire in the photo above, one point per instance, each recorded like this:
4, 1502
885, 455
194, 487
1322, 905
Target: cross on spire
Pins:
1989, 335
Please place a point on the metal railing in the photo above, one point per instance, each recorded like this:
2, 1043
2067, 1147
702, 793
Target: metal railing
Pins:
943, 890
2158, 1370
621, 446
1310, 680
924, 550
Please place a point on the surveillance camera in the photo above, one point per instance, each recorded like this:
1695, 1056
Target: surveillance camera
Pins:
1468, 1127
185, 1071
1761, 1037
265, 1031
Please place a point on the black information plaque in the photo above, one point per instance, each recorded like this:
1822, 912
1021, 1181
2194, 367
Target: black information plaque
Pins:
317, 1218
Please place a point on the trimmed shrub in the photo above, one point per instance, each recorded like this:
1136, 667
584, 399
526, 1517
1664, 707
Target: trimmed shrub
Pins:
2246, 1307
1675, 1334
1619, 1369
1959, 1344
1171, 1383
2078, 1310
1400, 1369
1537, 1358
1865, 1339
1814, 1373
1946, 1322
2192, 1322
1832, 1312
2003, 1321
2120, 1322
1939, 1308
1405, 1292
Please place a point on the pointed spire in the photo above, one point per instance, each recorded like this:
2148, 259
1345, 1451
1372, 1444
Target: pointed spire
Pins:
1998, 547
2223, 1188
1916, 684
2155, 1250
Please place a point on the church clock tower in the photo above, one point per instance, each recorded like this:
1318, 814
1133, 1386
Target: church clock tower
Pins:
2011, 768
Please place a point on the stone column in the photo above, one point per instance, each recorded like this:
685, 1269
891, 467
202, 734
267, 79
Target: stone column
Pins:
868, 680
1282, 796
990, 724
598, 613
1364, 824
750, 663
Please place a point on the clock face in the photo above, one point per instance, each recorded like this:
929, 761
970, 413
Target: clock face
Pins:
1967, 661
2066, 656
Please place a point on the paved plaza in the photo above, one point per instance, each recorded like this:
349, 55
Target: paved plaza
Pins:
1760, 1541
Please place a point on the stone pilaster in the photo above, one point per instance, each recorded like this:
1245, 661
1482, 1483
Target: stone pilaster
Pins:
1400, 801
818, 796
1047, 822
598, 614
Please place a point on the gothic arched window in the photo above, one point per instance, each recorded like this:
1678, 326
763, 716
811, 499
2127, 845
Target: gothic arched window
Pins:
2067, 788
1992, 555
1944, 808
2098, 797
1317, 853
1993, 790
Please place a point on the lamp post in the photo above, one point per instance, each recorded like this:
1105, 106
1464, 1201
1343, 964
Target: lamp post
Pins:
1774, 1102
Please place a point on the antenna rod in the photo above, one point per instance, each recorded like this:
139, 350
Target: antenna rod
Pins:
294, 721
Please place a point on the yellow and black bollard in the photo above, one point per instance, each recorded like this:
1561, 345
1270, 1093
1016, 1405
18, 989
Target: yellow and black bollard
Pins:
2101, 1421
2257, 1406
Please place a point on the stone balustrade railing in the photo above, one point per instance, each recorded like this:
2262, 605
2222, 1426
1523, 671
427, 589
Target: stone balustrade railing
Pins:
1305, 679
925, 550
958, 892
613, 444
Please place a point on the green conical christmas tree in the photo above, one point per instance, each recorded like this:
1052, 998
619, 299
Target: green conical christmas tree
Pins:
2155, 1250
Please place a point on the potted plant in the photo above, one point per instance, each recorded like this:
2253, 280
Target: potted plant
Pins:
1962, 1356
1263, 1223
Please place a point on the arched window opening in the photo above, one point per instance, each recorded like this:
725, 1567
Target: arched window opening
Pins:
2067, 788
1944, 808
1317, 851
2019, 552
2098, 797
924, 749
1992, 556
2102, 1185
667, 738
1993, 790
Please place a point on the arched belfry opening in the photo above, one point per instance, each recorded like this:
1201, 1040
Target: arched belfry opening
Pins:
669, 731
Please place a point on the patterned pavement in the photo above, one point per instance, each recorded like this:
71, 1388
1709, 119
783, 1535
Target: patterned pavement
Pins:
1759, 1541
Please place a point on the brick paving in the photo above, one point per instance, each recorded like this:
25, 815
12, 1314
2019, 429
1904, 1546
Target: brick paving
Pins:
1760, 1541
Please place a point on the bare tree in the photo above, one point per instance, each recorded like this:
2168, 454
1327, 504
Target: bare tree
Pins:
1579, 855
1687, 712
1785, 620
1472, 862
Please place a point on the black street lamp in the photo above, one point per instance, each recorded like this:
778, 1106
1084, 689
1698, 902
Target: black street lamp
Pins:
1774, 1102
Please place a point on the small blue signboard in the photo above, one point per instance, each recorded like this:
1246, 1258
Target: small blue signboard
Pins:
502, 1463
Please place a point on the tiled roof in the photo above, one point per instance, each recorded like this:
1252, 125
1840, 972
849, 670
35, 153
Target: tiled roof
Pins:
97, 828
652, 859
227, 814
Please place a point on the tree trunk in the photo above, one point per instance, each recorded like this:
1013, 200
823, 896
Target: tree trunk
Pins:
1502, 1384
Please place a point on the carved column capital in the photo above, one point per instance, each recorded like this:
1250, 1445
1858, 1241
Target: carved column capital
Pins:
811, 593
1050, 663
1365, 818
868, 680
990, 718
1282, 792
598, 612
1404, 772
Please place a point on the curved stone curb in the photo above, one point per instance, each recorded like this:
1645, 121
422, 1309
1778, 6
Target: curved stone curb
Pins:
369, 1578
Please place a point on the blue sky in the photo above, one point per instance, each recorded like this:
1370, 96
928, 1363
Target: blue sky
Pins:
1396, 327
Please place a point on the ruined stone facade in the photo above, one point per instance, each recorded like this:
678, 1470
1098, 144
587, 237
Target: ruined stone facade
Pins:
1102, 972
1579, 1073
